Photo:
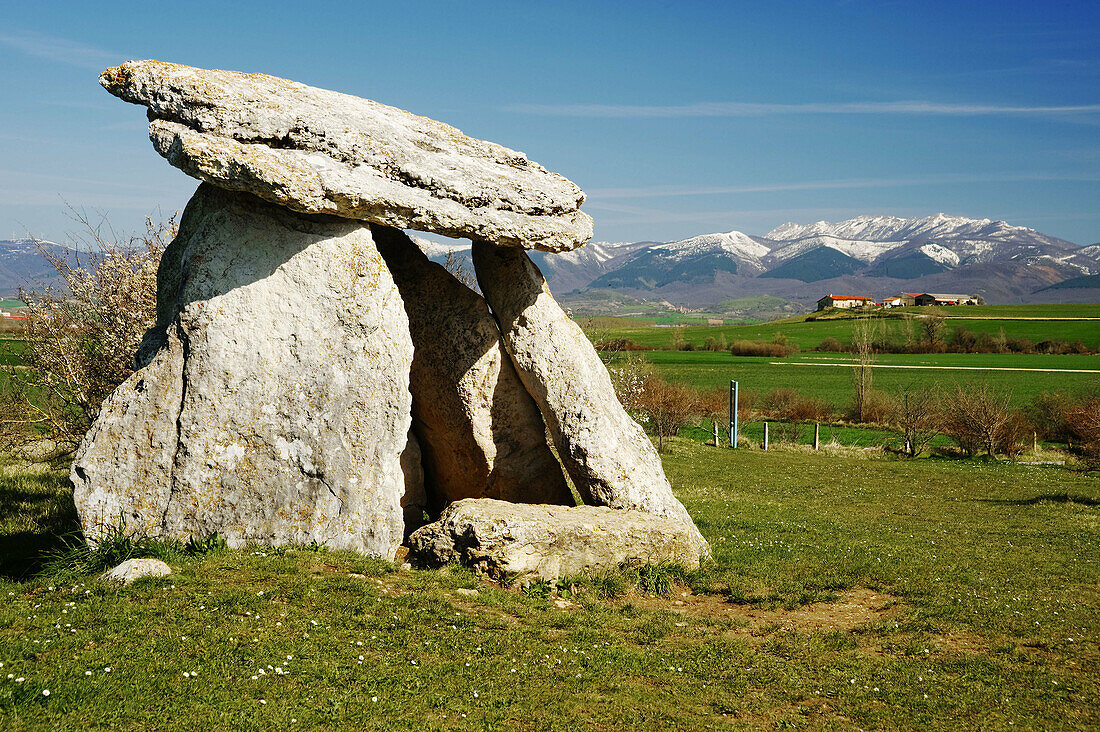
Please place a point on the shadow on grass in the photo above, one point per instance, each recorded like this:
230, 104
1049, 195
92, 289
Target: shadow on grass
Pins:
1048, 498
37, 514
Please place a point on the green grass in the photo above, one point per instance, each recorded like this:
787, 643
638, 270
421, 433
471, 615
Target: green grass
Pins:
977, 319
832, 381
987, 616
8, 304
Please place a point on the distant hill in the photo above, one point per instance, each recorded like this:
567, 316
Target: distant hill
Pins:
798, 263
22, 265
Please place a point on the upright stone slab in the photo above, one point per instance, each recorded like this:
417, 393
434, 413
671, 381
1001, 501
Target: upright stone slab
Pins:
480, 431
275, 403
608, 455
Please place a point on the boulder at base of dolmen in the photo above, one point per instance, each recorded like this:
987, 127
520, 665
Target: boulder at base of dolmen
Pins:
274, 406
524, 542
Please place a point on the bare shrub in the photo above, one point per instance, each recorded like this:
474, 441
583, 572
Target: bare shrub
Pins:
977, 417
79, 341
877, 408
1015, 437
831, 344
1083, 425
787, 404
457, 266
759, 348
1049, 412
667, 407
917, 412
615, 345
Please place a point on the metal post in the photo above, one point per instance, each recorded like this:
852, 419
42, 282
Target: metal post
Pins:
765, 436
817, 434
733, 413
716, 433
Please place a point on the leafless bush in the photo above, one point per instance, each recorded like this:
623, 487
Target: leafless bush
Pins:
79, 341
916, 411
615, 345
787, 404
977, 417
456, 265
759, 348
1083, 423
667, 407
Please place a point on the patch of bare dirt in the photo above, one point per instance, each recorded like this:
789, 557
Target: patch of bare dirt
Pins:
853, 609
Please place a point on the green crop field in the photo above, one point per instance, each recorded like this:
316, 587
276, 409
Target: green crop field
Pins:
1037, 322
844, 592
828, 375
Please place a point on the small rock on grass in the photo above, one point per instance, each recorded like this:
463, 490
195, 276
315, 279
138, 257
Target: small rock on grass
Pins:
467, 592
134, 569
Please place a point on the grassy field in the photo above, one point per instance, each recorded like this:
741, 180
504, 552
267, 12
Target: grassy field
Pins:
844, 592
1037, 322
828, 375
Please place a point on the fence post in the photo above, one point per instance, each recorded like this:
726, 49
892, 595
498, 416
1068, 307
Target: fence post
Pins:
733, 413
716, 433
765, 436
817, 434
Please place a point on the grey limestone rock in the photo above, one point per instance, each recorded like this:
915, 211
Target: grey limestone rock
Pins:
538, 542
319, 151
134, 569
608, 455
480, 432
274, 406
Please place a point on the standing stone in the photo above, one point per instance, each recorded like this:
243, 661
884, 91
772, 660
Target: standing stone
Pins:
480, 431
608, 455
275, 405
319, 151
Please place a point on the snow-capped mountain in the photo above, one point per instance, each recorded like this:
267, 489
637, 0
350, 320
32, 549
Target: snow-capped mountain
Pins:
878, 255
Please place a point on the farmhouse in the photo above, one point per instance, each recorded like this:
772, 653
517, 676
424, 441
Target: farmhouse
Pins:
843, 301
927, 298
904, 299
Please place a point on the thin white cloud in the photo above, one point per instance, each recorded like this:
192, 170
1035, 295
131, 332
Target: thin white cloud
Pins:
947, 179
753, 109
61, 50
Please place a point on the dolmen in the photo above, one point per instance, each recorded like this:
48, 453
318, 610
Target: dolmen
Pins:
313, 377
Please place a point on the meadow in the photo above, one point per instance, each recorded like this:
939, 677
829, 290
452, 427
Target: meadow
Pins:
846, 590
1036, 322
828, 376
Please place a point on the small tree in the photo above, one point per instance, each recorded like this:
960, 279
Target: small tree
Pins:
79, 341
863, 339
933, 326
917, 413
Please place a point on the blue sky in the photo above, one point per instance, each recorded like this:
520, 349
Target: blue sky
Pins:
677, 118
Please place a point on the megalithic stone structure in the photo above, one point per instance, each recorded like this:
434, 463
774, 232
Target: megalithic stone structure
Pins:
293, 391
607, 453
